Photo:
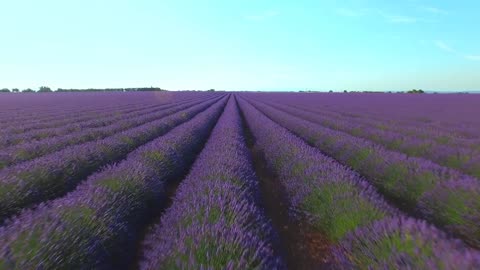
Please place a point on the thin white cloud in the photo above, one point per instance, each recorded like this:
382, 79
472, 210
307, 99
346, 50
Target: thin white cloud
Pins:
473, 57
263, 16
435, 10
444, 46
447, 48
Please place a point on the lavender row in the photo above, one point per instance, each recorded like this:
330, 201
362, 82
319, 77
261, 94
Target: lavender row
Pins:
403, 243
28, 115
407, 129
60, 116
11, 138
53, 175
81, 112
34, 149
24, 108
97, 225
366, 232
466, 160
215, 221
452, 114
79, 124
403, 126
440, 195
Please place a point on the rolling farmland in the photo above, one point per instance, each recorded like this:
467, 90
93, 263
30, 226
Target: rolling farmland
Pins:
220, 180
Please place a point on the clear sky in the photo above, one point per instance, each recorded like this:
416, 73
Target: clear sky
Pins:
241, 44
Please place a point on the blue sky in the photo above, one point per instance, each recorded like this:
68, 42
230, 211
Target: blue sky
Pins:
241, 45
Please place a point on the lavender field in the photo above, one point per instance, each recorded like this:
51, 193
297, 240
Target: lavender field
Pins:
222, 180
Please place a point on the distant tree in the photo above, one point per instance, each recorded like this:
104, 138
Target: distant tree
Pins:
44, 89
345, 91
15, 90
331, 91
4, 90
415, 91
28, 90
211, 90
149, 89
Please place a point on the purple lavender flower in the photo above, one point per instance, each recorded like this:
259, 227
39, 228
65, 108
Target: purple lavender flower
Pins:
96, 226
396, 175
214, 221
456, 205
55, 174
403, 243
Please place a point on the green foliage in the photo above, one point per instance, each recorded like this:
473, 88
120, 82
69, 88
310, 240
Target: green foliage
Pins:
27, 246
400, 242
357, 158
44, 89
338, 209
415, 91
208, 252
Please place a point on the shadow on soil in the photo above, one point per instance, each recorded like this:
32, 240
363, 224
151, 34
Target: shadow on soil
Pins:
302, 246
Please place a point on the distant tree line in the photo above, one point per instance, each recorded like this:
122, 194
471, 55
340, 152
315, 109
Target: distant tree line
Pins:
45, 89
413, 91
111, 89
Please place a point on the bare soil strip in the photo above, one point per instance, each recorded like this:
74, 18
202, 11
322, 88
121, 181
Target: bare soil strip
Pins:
153, 217
301, 246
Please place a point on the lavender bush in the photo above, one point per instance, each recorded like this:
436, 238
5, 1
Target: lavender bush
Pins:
214, 221
53, 175
339, 203
96, 226
403, 243
450, 155
401, 178
33, 149
100, 120
336, 199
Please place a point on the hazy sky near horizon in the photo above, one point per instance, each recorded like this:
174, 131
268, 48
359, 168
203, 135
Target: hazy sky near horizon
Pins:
241, 44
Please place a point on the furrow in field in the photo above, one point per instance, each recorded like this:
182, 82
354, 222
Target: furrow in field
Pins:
36, 135
83, 115
30, 107
77, 126
96, 226
365, 231
442, 196
37, 121
419, 131
34, 114
302, 246
28, 151
465, 160
53, 175
215, 220
424, 115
